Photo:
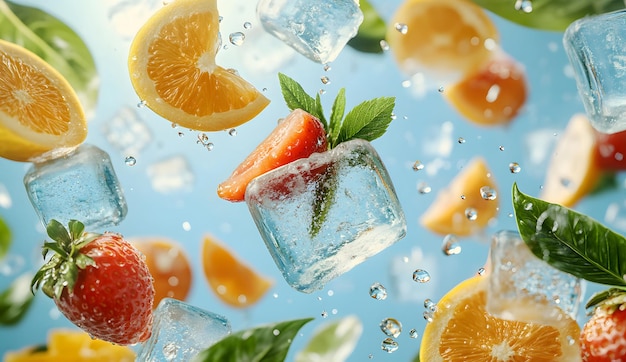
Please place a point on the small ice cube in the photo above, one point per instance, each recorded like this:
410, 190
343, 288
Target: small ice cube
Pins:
171, 174
518, 275
127, 132
180, 331
318, 29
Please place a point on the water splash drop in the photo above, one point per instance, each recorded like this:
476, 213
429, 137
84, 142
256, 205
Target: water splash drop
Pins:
421, 276
450, 245
378, 291
389, 345
391, 327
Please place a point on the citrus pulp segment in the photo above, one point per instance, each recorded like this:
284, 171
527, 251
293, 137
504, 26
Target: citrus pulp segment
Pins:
172, 68
234, 282
462, 330
40, 114
449, 38
466, 205
573, 171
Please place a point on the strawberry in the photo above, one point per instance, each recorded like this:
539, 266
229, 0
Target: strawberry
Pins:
298, 136
610, 152
603, 337
99, 282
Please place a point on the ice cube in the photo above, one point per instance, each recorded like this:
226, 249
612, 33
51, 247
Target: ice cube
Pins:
180, 331
518, 275
82, 185
322, 216
318, 29
127, 132
595, 47
171, 174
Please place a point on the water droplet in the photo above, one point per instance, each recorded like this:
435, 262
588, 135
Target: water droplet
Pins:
471, 214
142, 103
325, 80
481, 271
462, 197
440, 89
170, 350
186, 226
276, 332
130, 161
528, 206
322, 91
324, 314
418, 166
389, 345
428, 316
232, 132
450, 245
524, 5
514, 167
488, 193
406, 84
391, 327
421, 276
413, 333
384, 45
423, 188
401, 28
501, 148
237, 38
461, 140
181, 134
378, 291
571, 340
430, 305
247, 25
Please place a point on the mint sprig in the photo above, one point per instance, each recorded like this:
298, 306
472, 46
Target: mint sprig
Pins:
367, 121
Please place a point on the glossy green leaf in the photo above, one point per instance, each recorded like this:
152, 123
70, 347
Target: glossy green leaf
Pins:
334, 341
555, 15
368, 120
54, 42
570, 241
16, 300
5, 238
269, 343
371, 31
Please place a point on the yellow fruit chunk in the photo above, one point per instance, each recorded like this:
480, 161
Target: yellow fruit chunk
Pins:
467, 205
573, 170
169, 266
73, 346
172, 68
462, 330
234, 282
40, 114
442, 38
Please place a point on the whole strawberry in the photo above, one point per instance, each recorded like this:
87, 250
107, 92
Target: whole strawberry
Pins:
603, 337
99, 282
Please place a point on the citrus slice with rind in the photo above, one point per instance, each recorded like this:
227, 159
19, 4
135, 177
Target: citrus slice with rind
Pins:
462, 330
40, 114
466, 205
444, 39
172, 68
573, 170
233, 281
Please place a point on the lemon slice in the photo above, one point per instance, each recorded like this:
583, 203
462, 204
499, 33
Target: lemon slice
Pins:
40, 114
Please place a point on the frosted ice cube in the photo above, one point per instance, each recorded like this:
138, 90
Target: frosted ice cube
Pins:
350, 186
518, 275
171, 174
81, 185
318, 29
180, 331
127, 132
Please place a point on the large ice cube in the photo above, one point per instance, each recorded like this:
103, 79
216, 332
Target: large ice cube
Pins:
180, 331
518, 275
318, 29
82, 185
323, 215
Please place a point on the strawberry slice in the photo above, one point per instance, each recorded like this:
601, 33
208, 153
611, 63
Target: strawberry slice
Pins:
298, 136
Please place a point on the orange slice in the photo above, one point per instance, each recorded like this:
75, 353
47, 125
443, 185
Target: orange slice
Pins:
467, 205
172, 68
462, 330
169, 266
40, 114
73, 346
444, 38
573, 171
234, 282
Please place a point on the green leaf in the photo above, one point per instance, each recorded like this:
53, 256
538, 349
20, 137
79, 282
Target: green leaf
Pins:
5, 238
319, 110
295, 96
333, 341
602, 296
606, 182
269, 343
336, 116
15, 301
57, 232
555, 15
76, 229
54, 42
368, 120
371, 31
570, 241
325, 189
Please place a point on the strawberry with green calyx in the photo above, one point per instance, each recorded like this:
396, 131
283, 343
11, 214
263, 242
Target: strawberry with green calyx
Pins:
99, 282
603, 338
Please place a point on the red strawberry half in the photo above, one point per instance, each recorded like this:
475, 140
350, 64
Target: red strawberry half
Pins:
298, 136
603, 337
99, 282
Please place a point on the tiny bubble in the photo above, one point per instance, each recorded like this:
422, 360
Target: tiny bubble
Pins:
324, 314
421, 276
413, 333
378, 291
327, 67
130, 161
384, 45
428, 316
237, 38
430, 305
461, 140
247, 25
325, 80
488, 193
232, 132
440, 89
401, 28
471, 214
501, 148
389, 345
142, 103
418, 166
406, 83
391, 327
481, 271
514, 167
450, 245
423, 188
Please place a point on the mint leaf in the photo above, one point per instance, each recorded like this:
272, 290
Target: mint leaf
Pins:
324, 199
319, 111
5, 238
334, 341
336, 117
371, 31
602, 296
16, 300
368, 120
54, 42
269, 343
296, 97
570, 241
